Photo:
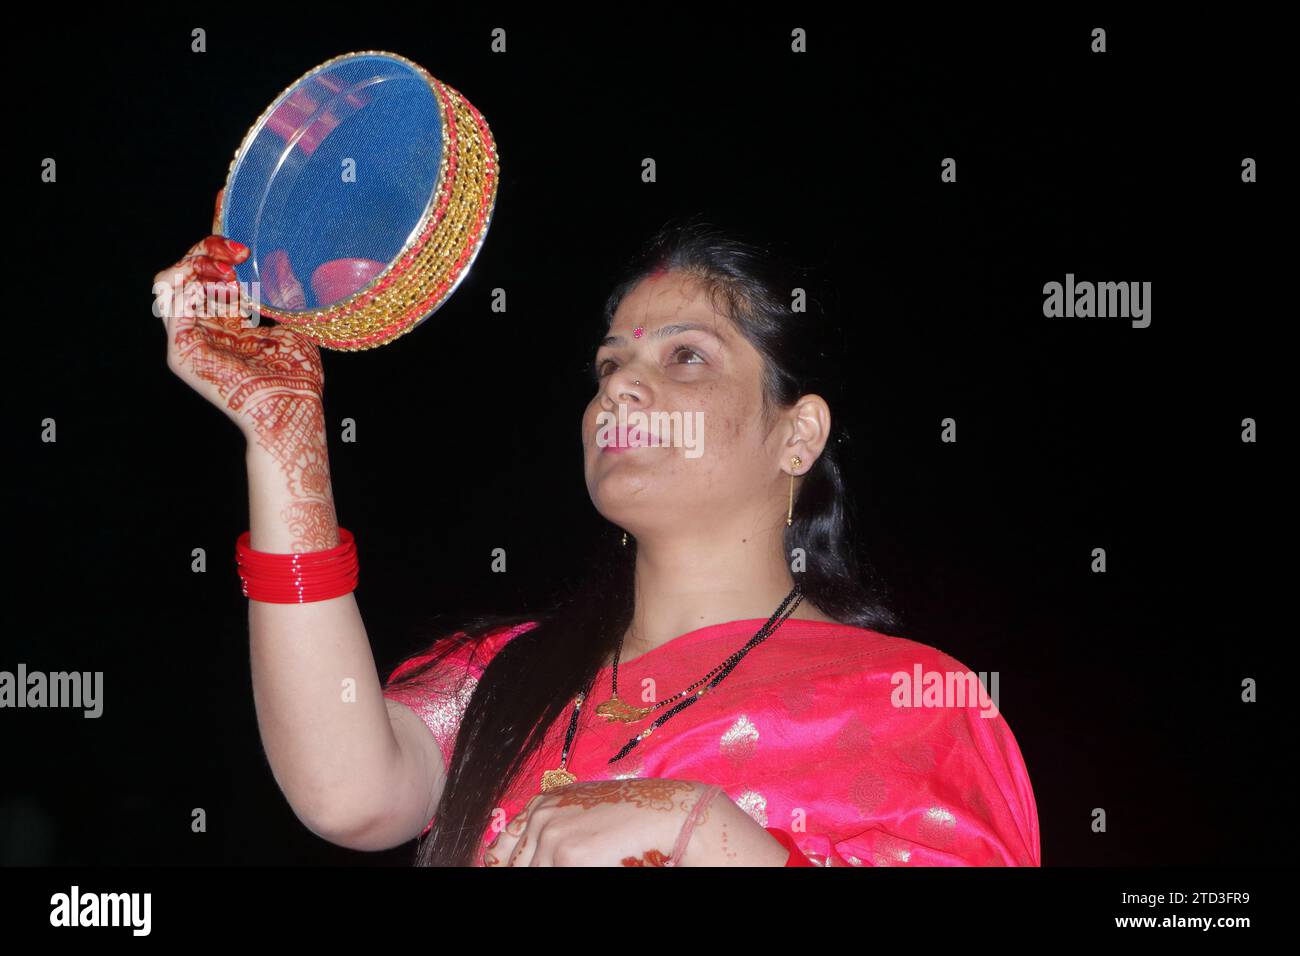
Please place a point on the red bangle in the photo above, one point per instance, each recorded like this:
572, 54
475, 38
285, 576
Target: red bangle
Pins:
298, 578
796, 857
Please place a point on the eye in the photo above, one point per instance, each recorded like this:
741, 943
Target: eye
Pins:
686, 348
605, 366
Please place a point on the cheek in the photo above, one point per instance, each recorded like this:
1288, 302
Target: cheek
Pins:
725, 438
729, 453
588, 422
725, 426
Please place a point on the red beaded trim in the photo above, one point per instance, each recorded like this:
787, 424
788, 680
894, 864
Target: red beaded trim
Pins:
468, 251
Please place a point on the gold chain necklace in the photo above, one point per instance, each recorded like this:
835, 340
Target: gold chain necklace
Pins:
615, 709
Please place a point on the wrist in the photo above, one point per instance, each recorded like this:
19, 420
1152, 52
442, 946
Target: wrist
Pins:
299, 578
282, 425
290, 509
728, 836
265, 450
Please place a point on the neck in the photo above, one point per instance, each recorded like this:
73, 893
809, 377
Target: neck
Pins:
683, 584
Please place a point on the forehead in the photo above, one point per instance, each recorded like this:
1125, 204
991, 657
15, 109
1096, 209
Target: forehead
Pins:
670, 297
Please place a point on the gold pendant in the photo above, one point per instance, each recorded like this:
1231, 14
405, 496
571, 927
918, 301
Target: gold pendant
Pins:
615, 709
557, 778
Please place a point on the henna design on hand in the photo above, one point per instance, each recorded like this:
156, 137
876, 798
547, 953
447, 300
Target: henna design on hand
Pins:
726, 851
650, 858
649, 793
273, 379
663, 796
269, 379
523, 842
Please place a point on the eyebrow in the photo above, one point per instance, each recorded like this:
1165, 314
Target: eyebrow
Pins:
662, 333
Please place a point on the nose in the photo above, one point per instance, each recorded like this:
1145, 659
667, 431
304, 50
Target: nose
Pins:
623, 389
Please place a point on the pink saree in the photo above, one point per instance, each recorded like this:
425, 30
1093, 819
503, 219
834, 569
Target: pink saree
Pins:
812, 734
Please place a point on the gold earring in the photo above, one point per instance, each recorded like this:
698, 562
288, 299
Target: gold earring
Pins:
795, 462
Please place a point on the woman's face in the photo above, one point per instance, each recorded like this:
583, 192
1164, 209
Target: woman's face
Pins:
717, 461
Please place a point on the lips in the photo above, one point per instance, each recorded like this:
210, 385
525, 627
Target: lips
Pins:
636, 438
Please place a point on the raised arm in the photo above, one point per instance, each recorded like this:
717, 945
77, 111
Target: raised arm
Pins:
358, 770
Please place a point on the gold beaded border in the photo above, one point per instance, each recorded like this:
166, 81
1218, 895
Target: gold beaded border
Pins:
453, 233
425, 273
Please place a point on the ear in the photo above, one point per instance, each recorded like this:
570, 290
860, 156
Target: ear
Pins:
808, 428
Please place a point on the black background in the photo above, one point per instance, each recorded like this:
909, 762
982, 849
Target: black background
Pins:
1123, 689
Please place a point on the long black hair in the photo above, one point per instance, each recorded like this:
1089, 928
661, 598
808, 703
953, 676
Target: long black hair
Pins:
532, 680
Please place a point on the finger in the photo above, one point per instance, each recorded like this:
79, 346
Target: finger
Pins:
490, 851
199, 263
224, 303
175, 276
218, 247
541, 854
525, 850
177, 292
216, 211
210, 268
179, 289
187, 283
501, 849
222, 296
167, 286
544, 837
522, 854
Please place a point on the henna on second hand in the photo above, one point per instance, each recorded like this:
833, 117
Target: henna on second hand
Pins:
523, 842
649, 858
726, 851
648, 793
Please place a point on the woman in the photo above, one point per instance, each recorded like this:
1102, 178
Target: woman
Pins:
721, 690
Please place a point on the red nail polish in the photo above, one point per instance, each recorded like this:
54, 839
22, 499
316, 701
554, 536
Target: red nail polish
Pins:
238, 248
225, 267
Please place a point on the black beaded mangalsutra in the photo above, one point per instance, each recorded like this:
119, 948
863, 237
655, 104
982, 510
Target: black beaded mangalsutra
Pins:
614, 709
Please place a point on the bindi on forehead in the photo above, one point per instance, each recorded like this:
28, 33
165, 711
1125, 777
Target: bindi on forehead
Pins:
645, 332
683, 312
